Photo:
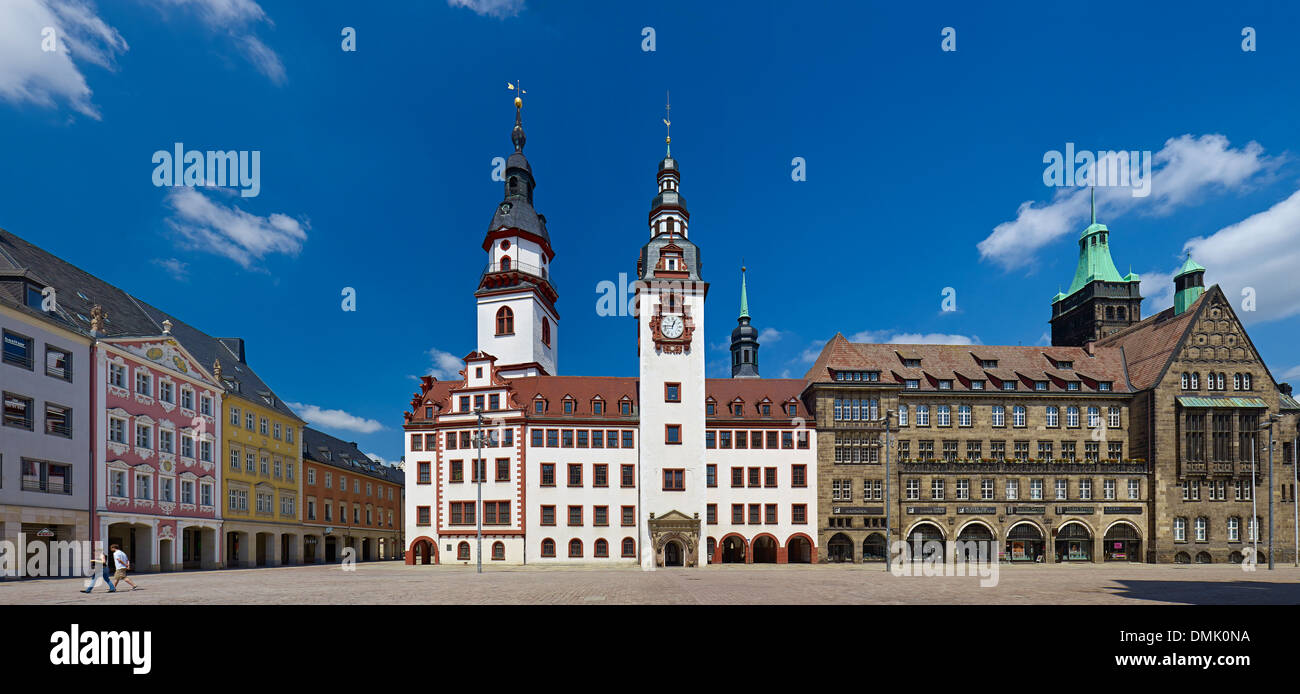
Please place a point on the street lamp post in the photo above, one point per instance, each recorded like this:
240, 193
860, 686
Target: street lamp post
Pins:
478, 476
889, 523
1272, 419
1254, 506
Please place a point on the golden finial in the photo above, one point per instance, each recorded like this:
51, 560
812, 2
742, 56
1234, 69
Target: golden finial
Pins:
216, 368
517, 87
96, 319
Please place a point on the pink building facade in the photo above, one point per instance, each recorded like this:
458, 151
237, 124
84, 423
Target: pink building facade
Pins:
157, 444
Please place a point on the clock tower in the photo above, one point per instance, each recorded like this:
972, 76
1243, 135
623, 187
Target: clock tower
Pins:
671, 347
517, 320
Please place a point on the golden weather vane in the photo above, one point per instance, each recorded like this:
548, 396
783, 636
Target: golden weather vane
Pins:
517, 86
668, 124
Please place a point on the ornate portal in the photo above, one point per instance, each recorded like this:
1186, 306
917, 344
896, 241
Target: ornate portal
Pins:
676, 539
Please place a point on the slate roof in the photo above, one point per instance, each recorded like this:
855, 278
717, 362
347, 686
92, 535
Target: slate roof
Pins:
959, 362
127, 316
344, 455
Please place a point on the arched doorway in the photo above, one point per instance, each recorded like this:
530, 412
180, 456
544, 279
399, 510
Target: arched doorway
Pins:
1025, 543
423, 551
136, 540
873, 548
839, 549
764, 550
926, 542
1121, 543
733, 550
673, 553
798, 550
975, 543
166, 551
1073, 542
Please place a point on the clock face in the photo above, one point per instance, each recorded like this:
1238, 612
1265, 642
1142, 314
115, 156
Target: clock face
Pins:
671, 326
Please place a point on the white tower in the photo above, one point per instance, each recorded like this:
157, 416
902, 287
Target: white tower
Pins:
671, 346
517, 320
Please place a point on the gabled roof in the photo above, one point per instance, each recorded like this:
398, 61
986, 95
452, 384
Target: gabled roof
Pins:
128, 316
1150, 344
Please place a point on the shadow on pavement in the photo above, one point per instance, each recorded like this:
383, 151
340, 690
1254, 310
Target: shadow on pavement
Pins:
1211, 592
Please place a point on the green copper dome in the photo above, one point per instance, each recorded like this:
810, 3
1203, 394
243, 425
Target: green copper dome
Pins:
1189, 267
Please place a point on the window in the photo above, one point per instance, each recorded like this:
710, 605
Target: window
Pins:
117, 376
600, 515
505, 321
711, 475
1134, 489
1062, 489
1234, 529
913, 490
143, 384
18, 349
1085, 490
462, 513
1018, 416
1072, 417
963, 490
799, 475
963, 415
58, 363
627, 439
986, 490
936, 489
629, 515
503, 471
674, 480
575, 474
902, 415
548, 547
575, 515
1035, 490
943, 416
546, 331
143, 435
1013, 490
625, 407
1112, 416
999, 416
496, 513
58, 420
672, 433
628, 475
923, 415
672, 392
1180, 529
1053, 416
1108, 490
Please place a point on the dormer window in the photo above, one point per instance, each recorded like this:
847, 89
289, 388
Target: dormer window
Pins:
912, 384
625, 406
945, 384
767, 410
597, 405
710, 408
792, 409
539, 406
738, 409
912, 363
569, 405
1040, 385
988, 363
1065, 365
1072, 385
977, 384
1103, 386
1008, 385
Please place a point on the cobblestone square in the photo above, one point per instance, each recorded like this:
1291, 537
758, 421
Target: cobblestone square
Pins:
395, 583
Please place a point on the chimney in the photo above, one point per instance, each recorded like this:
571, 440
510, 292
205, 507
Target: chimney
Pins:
236, 345
1088, 347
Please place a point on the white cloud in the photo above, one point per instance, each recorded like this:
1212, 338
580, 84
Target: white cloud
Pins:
810, 353
231, 232
446, 366
377, 458
335, 420
769, 335
889, 337
1260, 253
1157, 291
1184, 171
29, 74
1293, 372
1045, 339
490, 8
178, 270
236, 18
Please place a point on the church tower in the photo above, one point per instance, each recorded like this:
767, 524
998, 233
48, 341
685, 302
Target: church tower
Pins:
1099, 301
744, 339
670, 340
517, 320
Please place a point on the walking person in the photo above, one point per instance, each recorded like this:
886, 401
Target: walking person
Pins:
119, 558
98, 570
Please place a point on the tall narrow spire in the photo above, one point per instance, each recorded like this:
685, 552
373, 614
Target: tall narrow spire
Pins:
668, 123
744, 295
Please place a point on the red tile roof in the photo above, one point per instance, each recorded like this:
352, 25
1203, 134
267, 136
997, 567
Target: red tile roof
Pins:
945, 362
1149, 345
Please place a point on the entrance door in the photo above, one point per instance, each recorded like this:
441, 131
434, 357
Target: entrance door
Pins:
673, 554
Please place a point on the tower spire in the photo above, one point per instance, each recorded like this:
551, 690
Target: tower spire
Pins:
744, 295
668, 124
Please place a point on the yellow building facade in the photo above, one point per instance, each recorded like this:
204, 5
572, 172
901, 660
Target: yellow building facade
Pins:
262, 486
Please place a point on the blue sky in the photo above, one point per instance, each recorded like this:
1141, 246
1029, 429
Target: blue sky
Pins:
924, 167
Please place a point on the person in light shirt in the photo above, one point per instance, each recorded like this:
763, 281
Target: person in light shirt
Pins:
119, 559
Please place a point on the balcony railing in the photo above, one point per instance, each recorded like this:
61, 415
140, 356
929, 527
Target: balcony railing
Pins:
514, 267
1025, 467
